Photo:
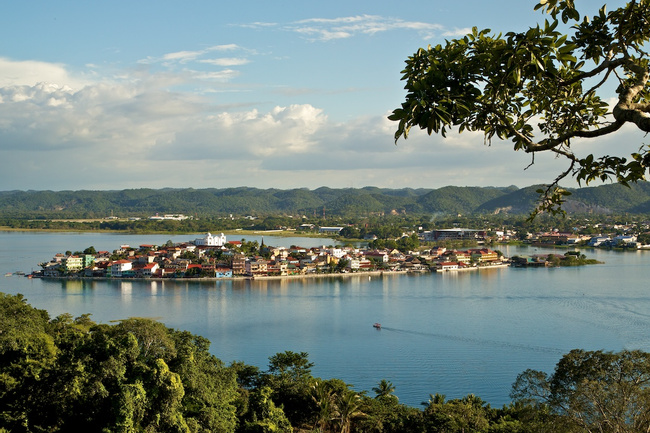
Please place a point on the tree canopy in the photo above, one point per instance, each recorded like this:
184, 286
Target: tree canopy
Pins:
72, 374
542, 89
594, 391
68, 374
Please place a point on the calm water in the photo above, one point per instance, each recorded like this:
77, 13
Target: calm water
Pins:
453, 334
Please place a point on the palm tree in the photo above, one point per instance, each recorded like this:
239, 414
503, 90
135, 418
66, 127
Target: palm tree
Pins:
348, 407
384, 389
324, 399
436, 399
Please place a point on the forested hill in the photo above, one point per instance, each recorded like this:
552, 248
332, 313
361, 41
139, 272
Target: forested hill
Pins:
329, 201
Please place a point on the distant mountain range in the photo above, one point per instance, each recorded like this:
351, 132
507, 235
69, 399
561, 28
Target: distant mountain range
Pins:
603, 199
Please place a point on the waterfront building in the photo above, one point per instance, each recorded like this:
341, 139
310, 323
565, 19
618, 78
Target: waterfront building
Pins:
623, 240
222, 272
119, 267
597, 240
148, 270
377, 255
458, 256
239, 264
257, 267
353, 263
88, 260
484, 255
73, 263
447, 266
333, 230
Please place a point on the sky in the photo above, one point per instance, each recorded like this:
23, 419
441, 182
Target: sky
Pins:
285, 94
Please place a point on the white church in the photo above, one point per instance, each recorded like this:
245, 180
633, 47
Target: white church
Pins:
211, 241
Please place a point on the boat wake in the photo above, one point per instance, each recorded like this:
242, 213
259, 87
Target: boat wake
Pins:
479, 341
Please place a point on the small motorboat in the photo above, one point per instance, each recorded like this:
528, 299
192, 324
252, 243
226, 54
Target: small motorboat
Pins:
377, 325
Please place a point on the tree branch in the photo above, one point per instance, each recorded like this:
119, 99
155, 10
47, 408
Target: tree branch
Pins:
608, 64
553, 143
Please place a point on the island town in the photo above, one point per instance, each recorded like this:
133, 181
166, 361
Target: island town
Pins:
216, 257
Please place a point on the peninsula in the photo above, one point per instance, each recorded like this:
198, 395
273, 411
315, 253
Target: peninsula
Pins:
213, 256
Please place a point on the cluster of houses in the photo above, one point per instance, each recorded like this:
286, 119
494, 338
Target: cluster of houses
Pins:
559, 238
216, 257
552, 238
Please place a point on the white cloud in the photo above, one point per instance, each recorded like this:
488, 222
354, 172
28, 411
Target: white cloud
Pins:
223, 75
457, 33
326, 29
30, 72
183, 56
225, 47
178, 63
226, 61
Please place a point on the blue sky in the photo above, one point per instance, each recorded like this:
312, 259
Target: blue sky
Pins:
284, 94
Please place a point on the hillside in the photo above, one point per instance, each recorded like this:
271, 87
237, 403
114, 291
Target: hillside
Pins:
603, 199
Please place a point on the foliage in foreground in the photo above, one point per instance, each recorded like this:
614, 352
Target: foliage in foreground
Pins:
66, 374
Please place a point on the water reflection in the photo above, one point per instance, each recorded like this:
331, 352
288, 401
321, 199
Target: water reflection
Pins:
126, 287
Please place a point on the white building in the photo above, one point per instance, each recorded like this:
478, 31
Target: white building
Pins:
597, 240
118, 267
624, 240
211, 241
333, 230
337, 252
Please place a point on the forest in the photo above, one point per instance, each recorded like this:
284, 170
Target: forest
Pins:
320, 202
137, 375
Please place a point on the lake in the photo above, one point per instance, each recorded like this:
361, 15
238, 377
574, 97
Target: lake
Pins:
451, 333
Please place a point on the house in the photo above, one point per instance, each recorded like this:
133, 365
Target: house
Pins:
120, 267
446, 266
257, 267
437, 252
353, 263
624, 241
554, 238
598, 240
52, 269
277, 268
377, 255
279, 253
484, 255
236, 244
223, 272
73, 263
365, 264
147, 270
458, 256
239, 264
412, 264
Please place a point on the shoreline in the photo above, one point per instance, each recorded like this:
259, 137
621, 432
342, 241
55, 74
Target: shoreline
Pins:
242, 278
274, 233
369, 274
